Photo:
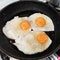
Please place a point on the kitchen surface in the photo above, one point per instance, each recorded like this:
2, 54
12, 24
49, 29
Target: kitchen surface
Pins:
55, 56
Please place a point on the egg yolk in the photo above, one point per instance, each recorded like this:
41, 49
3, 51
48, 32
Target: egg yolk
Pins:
42, 38
40, 22
24, 25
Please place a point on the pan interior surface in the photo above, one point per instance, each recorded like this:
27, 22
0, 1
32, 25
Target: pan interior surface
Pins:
26, 9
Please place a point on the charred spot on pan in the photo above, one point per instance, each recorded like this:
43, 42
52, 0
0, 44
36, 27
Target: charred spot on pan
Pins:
12, 41
32, 30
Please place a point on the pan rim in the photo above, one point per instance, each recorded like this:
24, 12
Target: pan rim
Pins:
27, 58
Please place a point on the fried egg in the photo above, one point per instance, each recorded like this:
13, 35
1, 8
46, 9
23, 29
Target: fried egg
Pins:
16, 27
41, 22
27, 41
33, 42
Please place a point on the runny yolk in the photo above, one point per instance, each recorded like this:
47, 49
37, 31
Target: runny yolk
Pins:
42, 38
24, 25
40, 22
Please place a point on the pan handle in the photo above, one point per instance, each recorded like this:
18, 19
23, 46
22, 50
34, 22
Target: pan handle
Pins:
55, 2
34, 0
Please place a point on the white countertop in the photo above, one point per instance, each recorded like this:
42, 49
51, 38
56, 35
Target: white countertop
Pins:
4, 3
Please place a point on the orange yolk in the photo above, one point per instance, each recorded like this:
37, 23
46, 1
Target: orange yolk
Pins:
24, 25
42, 38
40, 22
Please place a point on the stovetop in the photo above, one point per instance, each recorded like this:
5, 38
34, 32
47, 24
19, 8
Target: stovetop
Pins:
55, 56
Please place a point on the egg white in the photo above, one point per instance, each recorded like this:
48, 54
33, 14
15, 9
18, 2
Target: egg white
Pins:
49, 23
29, 45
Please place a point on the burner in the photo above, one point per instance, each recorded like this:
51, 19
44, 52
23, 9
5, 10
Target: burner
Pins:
58, 52
5, 57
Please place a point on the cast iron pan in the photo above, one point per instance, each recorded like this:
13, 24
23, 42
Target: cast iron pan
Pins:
25, 9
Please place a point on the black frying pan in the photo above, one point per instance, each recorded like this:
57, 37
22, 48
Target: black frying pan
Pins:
25, 9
